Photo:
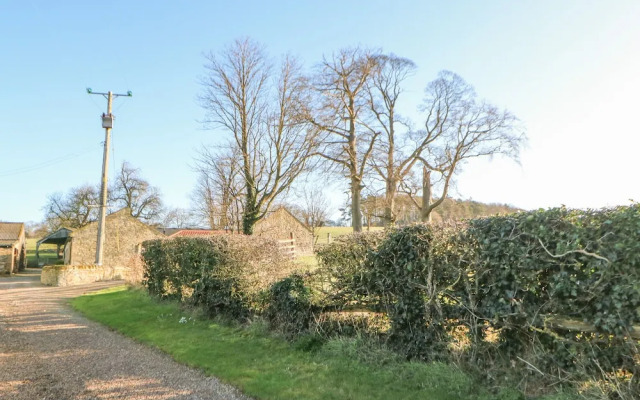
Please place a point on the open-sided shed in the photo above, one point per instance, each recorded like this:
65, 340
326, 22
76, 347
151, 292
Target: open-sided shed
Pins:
59, 238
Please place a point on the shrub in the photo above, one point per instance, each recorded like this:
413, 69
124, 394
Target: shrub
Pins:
225, 274
289, 307
411, 272
343, 270
543, 277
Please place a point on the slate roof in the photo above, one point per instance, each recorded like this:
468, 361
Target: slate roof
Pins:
58, 237
10, 232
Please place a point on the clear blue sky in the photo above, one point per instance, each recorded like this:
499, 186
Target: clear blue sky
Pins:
567, 69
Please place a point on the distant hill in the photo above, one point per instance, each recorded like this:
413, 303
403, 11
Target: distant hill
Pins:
450, 210
455, 210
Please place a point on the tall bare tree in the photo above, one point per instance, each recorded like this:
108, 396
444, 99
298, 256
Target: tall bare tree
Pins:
398, 148
75, 209
178, 218
134, 192
341, 83
264, 112
458, 127
219, 190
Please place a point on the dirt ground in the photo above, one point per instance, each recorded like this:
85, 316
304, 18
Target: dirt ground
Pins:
48, 351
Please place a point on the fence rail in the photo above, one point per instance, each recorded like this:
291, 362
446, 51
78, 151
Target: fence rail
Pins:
288, 247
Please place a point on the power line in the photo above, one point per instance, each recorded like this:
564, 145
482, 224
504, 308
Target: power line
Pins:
48, 163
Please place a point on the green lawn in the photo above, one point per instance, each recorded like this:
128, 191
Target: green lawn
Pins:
266, 367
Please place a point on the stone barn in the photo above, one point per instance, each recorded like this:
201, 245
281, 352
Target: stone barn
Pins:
281, 225
124, 235
13, 247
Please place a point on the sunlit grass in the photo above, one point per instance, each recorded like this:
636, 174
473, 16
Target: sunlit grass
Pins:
47, 253
336, 231
266, 367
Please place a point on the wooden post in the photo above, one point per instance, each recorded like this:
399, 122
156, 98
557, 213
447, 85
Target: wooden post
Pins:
328, 237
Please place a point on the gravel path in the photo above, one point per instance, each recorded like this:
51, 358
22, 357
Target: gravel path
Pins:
47, 351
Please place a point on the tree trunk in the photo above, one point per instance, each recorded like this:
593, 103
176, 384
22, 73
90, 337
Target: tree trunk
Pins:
250, 216
425, 212
224, 210
390, 203
238, 218
356, 214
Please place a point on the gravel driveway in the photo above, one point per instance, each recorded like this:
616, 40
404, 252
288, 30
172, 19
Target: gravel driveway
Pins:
48, 351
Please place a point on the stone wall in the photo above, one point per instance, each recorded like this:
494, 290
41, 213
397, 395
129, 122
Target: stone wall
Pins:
5, 259
280, 224
123, 237
70, 275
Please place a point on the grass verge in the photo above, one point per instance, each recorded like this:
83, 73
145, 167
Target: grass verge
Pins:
266, 367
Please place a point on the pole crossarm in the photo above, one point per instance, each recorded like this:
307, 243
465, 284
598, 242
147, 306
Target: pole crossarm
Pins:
128, 94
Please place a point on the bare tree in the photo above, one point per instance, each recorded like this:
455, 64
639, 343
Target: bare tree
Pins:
265, 114
342, 113
219, 190
373, 208
72, 210
178, 218
396, 152
36, 229
315, 208
458, 127
132, 191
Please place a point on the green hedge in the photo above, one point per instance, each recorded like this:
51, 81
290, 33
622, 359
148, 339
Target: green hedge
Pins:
554, 291
288, 306
225, 274
343, 272
536, 272
558, 289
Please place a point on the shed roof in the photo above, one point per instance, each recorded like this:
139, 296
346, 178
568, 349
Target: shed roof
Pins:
10, 232
58, 237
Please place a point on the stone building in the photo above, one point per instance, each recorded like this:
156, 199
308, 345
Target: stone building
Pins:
123, 236
281, 225
13, 247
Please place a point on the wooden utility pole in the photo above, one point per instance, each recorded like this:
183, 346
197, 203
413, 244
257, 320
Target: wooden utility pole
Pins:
107, 124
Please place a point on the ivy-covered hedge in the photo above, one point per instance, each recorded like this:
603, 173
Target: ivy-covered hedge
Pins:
545, 276
343, 270
556, 291
225, 274
288, 306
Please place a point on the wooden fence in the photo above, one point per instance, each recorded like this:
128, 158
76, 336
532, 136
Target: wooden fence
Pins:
288, 246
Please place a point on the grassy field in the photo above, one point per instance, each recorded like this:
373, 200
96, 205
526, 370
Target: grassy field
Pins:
322, 239
266, 367
336, 231
47, 253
